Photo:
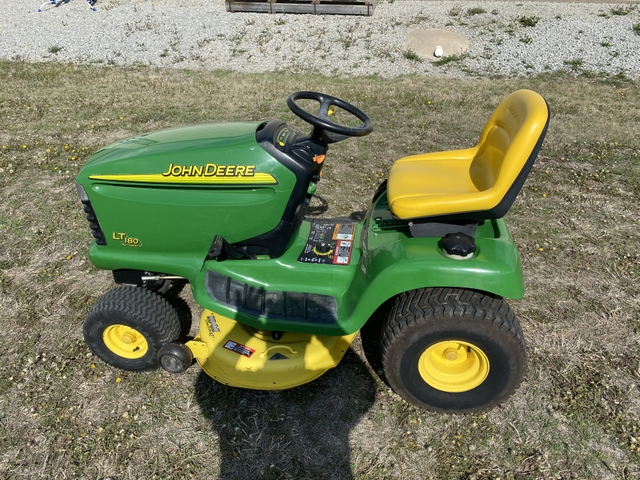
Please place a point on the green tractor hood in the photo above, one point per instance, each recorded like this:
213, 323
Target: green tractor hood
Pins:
156, 201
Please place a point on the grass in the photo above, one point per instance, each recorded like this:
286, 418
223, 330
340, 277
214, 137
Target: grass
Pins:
64, 414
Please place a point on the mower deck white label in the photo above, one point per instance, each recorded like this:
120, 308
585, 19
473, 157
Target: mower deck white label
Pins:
239, 348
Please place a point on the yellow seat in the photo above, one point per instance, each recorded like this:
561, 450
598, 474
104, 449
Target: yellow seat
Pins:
480, 182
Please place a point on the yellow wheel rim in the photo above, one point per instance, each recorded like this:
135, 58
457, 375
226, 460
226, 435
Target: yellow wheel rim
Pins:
453, 366
125, 341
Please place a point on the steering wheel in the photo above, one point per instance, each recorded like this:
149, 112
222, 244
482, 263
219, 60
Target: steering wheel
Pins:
324, 128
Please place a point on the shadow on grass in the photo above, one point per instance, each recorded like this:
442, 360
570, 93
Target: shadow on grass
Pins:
302, 433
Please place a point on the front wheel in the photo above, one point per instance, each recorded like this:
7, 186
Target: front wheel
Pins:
127, 326
453, 350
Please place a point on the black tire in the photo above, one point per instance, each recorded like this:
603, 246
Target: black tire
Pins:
485, 326
127, 326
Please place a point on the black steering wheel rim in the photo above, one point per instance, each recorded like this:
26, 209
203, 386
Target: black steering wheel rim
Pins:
322, 122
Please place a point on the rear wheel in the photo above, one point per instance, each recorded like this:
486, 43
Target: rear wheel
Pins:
453, 350
127, 326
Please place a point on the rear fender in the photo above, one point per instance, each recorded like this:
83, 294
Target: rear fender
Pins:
405, 263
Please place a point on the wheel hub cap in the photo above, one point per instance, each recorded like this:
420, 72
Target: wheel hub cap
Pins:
453, 366
125, 341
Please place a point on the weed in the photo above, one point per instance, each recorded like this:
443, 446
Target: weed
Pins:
528, 21
636, 28
605, 44
448, 59
526, 39
417, 19
204, 41
455, 11
475, 11
622, 10
55, 49
280, 21
411, 55
574, 64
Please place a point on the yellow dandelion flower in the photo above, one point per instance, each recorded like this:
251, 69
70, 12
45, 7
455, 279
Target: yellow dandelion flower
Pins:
118, 380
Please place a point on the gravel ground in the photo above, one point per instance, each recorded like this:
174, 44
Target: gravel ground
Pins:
201, 34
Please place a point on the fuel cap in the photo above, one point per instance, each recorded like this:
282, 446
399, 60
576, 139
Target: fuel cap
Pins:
458, 246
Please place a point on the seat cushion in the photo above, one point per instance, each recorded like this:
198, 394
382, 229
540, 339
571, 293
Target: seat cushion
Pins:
426, 185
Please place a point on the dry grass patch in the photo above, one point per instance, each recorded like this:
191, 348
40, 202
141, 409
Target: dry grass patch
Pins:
62, 413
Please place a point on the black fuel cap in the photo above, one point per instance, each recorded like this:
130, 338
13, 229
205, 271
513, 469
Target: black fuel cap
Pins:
458, 245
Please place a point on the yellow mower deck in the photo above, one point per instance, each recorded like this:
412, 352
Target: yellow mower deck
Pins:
239, 356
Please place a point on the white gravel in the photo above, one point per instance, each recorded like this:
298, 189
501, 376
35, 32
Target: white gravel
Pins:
201, 34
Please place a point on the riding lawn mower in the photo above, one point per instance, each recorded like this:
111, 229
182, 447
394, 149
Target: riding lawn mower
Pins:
223, 207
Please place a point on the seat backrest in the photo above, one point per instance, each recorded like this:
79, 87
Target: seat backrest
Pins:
508, 147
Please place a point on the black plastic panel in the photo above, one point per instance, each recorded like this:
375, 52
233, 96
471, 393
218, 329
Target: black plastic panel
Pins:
295, 306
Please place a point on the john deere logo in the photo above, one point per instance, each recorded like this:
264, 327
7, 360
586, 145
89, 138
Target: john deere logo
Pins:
209, 174
210, 170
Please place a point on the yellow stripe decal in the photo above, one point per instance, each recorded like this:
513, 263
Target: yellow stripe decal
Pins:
256, 178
